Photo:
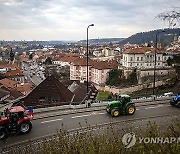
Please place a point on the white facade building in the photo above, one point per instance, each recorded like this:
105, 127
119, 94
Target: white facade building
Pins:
143, 58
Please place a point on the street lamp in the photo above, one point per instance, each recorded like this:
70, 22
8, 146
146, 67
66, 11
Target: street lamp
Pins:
155, 61
87, 56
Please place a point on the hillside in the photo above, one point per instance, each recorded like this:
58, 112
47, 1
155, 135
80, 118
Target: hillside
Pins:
103, 40
146, 37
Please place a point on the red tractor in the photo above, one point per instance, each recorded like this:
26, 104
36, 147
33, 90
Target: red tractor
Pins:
13, 121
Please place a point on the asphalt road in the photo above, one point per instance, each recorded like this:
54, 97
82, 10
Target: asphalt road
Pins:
35, 78
47, 126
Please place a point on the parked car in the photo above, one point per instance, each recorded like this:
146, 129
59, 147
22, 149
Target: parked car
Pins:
168, 94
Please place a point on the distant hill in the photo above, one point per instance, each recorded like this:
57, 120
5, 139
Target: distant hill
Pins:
146, 37
103, 40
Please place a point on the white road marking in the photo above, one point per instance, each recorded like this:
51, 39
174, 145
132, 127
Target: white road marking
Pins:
137, 109
81, 116
151, 107
102, 113
51, 120
94, 113
167, 105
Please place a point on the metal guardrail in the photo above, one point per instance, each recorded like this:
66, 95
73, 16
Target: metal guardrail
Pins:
103, 103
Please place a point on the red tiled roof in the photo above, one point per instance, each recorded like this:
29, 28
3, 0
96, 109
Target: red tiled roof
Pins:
100, 65
3, 93
13, 70
139, 50
25, 88
13, 92
10, 84
82, 61
177, 50
68, 58
96, 64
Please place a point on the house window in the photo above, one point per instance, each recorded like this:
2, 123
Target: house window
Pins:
55, 98
131, 64
161, 72
147, 64
141, 58
164, 58
137, 64
159, 58
158, 63
42, 98
131, 58
137, 58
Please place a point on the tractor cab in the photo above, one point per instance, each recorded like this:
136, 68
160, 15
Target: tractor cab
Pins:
14, 120
124, 99
122, 105
12, 114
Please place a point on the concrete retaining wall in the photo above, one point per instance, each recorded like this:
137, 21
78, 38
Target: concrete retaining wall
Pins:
128, 90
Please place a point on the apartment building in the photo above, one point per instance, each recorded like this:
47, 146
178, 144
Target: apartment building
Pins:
144, 57
97, 70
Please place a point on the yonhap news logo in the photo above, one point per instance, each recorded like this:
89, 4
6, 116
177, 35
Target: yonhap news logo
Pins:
130, 140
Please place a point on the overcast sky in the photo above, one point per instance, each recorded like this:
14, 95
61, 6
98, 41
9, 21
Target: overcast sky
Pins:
68, 19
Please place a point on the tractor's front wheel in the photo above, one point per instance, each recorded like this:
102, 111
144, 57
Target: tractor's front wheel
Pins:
115, 112
3, 133
130, 110
25, 127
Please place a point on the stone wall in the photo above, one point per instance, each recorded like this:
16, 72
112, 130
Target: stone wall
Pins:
147, 75
128, 90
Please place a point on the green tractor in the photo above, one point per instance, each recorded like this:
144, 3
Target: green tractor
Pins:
122, 105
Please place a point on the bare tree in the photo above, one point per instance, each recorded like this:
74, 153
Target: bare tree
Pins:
172, 17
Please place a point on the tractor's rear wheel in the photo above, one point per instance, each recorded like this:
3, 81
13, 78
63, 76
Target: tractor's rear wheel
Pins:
130, 110
25, 127
115, 113
3, 133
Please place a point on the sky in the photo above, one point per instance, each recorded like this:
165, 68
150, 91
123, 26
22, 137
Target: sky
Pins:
69, 19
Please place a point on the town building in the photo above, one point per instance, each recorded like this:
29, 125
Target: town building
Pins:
97, 70
142, 61
11, 71
66, 60
100, 70
143, 57
50, 92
